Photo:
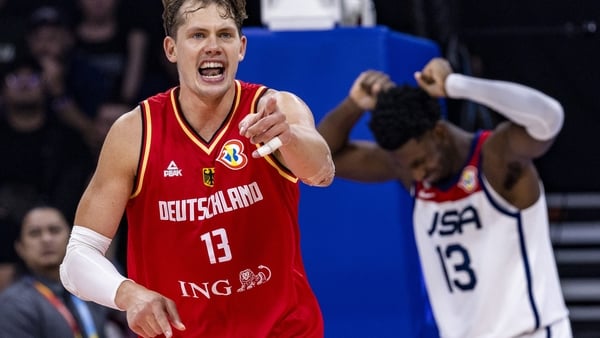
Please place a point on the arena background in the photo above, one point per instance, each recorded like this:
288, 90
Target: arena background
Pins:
356, 238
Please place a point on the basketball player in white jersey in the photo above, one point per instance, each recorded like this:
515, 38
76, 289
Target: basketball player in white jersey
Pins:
480, 216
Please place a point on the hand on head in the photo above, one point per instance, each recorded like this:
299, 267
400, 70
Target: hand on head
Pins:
433, 77
367, 86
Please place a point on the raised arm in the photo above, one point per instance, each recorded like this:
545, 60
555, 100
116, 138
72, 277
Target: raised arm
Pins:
539, 115
358, 160
302, 149
534, 120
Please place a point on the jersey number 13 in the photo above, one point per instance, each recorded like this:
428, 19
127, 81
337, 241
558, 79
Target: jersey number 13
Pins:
456, 264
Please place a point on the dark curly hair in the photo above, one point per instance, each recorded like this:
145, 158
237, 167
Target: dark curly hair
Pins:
234, 9
403, 113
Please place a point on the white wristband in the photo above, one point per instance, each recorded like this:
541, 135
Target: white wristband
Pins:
541, 115
86, 272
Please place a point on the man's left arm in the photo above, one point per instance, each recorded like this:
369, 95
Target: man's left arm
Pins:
286, 123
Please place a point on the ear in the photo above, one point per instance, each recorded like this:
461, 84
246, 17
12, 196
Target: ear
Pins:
170, 50
243, 45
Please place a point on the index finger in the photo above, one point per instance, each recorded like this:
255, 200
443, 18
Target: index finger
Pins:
174, 316
171, 316
250, 119
164, 324
270, 107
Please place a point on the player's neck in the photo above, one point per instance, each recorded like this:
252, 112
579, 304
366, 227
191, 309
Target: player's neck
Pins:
461, 146
206, 113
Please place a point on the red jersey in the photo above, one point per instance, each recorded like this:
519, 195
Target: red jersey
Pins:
216, 230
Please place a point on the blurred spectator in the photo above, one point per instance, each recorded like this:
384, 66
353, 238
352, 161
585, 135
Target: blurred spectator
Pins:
45, 160
70, 80
37, 305
114, 44
159, 73
12, 28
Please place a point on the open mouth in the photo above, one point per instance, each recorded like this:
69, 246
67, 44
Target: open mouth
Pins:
212, 70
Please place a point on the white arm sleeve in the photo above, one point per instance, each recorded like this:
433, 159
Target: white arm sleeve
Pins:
86, 272
541, 115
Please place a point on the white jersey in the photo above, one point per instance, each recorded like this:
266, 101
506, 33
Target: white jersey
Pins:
489, 268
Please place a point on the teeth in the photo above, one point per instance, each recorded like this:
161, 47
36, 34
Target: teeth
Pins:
212, 65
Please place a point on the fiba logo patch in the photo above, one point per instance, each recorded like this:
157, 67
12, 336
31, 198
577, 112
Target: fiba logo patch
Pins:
208, 177
232, 155
468, 179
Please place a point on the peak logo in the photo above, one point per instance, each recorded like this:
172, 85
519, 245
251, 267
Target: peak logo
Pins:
172, 170
232, 155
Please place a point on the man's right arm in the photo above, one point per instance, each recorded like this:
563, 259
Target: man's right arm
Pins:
358, 160
99, 213
85, 270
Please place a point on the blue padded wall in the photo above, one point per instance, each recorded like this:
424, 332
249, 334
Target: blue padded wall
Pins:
357, 239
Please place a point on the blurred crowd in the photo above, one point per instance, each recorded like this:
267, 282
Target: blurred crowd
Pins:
69, 69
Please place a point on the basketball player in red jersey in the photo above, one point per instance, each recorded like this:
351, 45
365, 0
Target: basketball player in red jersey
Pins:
207, 173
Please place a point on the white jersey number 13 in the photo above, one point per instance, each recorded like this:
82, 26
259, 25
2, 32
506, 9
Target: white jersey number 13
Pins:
217, 246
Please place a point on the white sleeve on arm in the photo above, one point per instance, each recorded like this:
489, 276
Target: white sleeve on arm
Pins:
86, 272
541, 115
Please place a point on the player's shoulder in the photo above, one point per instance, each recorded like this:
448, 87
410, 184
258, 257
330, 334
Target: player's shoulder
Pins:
249, 85
125, 135
130, 119
161, 99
